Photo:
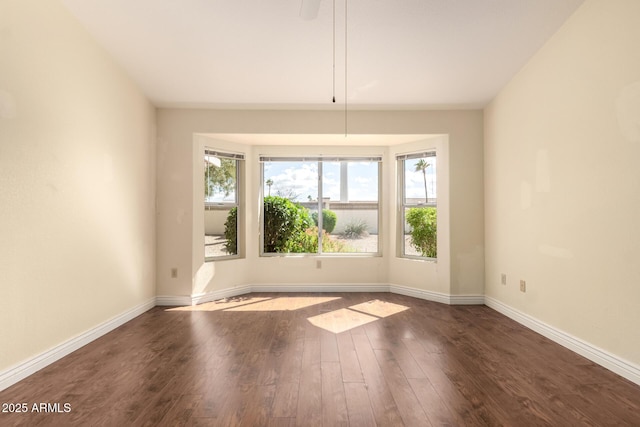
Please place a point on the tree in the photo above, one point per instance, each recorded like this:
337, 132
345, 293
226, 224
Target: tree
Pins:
287, 193
421, 166
220, 179
269, 184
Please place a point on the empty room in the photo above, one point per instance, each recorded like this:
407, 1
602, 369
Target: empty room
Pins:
319, 212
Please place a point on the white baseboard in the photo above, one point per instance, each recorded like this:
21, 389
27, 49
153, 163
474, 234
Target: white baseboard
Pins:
437, 296
34, 364
603, 358
166, 300
195, 299
420, 293
466, 299
320, 287
216, 295
325, 287
271, 287
173, 300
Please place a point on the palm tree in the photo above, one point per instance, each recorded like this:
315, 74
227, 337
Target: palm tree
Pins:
269, 184
421, 166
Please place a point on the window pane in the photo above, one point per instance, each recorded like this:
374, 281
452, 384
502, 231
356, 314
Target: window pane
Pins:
420, 232
350, 220
219, 180
363, 181
296, 181
420, 181
221, 231
418, 220
220, 206
331, 181
291, 196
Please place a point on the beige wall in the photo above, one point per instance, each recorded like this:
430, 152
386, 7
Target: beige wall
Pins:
77, 183
180, 214
562, 205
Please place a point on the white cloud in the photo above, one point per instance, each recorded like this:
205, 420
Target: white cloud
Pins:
298, 178
414, 185
301, 179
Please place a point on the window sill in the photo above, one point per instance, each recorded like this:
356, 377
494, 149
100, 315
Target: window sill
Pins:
323, 255
223, 258
418, 258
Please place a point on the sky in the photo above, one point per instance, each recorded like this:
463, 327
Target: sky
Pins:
414, 181
301, 180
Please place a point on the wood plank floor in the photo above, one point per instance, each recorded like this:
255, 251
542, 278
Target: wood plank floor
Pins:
344, 359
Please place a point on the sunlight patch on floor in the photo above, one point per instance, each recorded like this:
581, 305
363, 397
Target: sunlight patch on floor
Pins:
284, 303
341, 320
335, 321
242, 303
379, 308
344, 319
222, 304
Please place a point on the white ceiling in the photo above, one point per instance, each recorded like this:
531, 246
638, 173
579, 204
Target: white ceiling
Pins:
262, 54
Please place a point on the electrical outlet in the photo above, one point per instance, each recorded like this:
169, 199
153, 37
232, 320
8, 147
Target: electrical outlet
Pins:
523, 286
318, 264
174, 273
503, 279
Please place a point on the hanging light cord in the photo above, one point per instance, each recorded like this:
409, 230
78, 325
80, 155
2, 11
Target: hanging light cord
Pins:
334, 51
345, 61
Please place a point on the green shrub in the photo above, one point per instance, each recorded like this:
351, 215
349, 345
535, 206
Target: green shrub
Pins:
284, 223
307, 242
231, 232
423, 222
329, 219
287, 229
356, 229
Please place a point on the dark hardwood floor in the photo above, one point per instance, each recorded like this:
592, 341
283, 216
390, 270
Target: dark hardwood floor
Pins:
345, 359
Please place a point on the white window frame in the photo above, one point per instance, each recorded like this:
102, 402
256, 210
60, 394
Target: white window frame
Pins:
402, 201
228, 205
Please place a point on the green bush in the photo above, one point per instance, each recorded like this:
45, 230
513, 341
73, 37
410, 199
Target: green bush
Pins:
307, 242
356, 229
231, 232
284, 224
329, 219
287, 229
423, 222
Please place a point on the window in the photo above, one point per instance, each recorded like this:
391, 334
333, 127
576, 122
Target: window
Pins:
320, 205
418, 196
221, 178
